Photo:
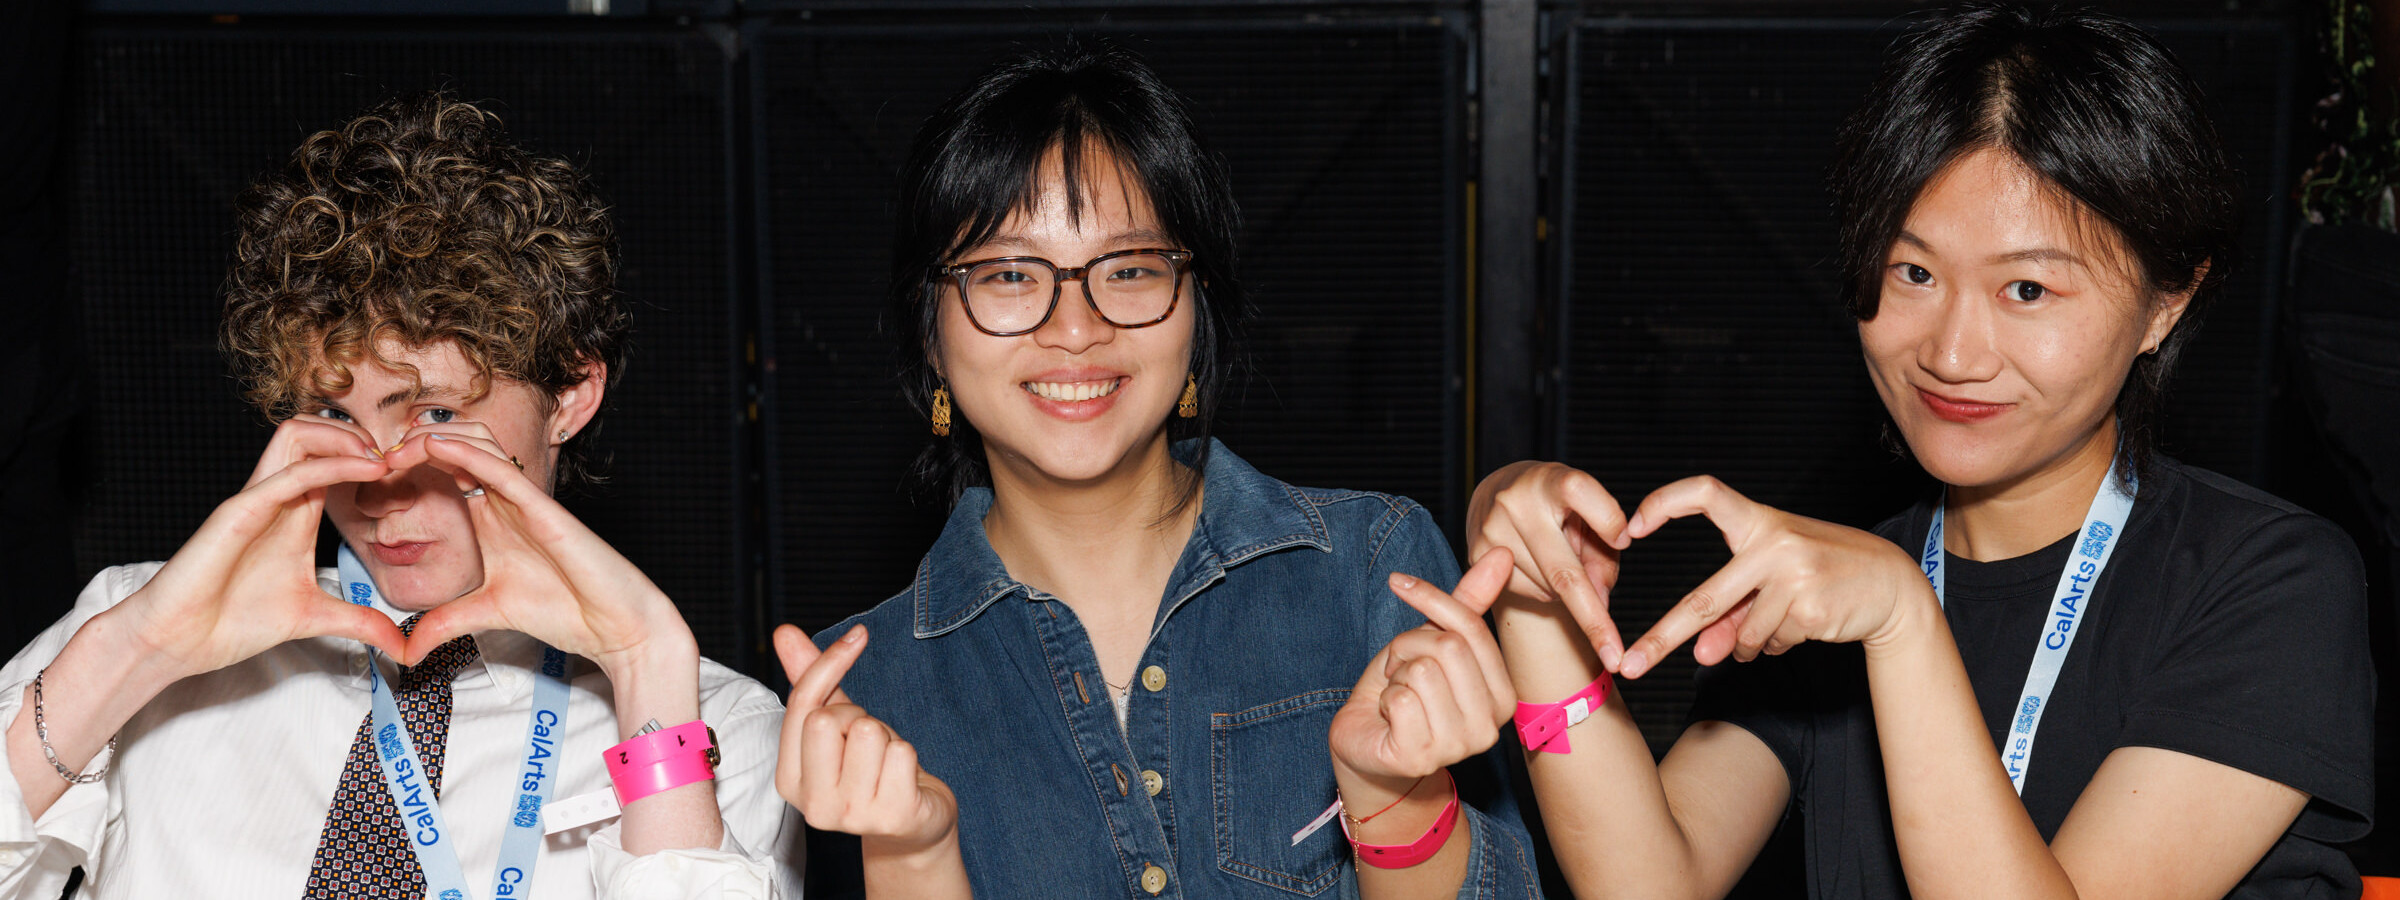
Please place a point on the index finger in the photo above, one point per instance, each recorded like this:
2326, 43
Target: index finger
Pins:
1715, 598
817, 676
1732, 513
302, 438
1570, 576
1589, 501
458, 454
1446, 612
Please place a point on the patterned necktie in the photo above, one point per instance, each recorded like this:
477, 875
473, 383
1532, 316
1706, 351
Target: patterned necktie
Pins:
363, 852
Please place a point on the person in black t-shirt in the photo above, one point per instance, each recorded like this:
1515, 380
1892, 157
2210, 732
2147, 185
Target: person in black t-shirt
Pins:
2034, 211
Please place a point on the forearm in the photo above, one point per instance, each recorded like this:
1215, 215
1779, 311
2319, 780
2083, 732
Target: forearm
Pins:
1609, 820
663, 685
100, 679
1961, 829
935, 873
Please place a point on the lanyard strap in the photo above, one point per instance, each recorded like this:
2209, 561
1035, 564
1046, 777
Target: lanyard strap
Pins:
2104, 522
403, 774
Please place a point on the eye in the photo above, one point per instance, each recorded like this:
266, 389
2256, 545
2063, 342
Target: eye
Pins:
1006, 276
327, 412
1134, 273
2026, 291
1914, 274
435, 415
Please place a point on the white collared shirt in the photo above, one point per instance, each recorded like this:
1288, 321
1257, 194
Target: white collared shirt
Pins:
221, 784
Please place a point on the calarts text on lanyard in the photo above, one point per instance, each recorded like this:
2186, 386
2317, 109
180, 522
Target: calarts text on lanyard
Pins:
403, 773
2104, 522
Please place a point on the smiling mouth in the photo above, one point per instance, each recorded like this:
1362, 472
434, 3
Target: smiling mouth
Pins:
1961, 411
1073, 391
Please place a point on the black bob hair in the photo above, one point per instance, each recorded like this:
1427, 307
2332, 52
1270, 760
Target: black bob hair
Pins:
976, 160
2097, 109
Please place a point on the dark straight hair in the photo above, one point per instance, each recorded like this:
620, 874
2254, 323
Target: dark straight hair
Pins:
2098, 110
977, 160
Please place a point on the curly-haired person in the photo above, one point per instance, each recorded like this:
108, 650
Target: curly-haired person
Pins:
429, 314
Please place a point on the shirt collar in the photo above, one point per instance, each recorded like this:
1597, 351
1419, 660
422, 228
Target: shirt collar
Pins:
1245, 514
503, 659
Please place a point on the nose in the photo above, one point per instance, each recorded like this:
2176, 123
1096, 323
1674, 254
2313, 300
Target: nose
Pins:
1963, 346
395, 492
1074, 325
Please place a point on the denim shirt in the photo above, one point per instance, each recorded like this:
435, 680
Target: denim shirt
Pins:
1271, 615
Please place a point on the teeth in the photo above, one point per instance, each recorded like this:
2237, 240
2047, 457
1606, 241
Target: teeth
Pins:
1073, 391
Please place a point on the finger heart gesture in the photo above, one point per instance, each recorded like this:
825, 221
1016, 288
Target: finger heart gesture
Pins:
1436, 694
843, 769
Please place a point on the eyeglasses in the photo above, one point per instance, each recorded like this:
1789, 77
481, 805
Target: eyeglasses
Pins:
1015, 295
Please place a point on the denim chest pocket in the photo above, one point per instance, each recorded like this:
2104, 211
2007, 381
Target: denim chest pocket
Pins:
1270, 775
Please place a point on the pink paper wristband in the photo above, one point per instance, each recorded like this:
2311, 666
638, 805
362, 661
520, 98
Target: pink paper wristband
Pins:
1543, 726
668, 758
1401, 856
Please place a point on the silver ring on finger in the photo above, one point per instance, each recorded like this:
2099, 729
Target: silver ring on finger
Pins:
470, 495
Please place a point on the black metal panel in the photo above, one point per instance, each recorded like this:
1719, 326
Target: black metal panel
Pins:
416, 9
1507, 410
174, 122
1343, 138
1703, 331
340, 7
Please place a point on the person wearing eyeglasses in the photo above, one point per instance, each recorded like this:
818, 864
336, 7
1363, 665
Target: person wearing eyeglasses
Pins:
1132, 665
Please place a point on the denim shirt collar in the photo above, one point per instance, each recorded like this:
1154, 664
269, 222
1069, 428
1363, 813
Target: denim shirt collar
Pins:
1244, 514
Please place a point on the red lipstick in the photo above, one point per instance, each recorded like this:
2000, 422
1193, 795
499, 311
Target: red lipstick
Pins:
1964, 412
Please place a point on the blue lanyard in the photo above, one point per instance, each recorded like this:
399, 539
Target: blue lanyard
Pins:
420, 817
2104, 522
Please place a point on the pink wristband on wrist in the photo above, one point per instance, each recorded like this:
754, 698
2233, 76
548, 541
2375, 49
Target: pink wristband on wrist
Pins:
1543, 726
1401, 856
668, 758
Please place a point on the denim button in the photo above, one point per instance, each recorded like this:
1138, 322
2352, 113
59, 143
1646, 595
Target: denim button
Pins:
1152, 783
1155, 679
1154, 879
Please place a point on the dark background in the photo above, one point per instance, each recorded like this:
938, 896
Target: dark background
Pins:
1478, 231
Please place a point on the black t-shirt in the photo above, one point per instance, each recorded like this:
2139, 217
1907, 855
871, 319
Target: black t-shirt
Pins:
2229, 625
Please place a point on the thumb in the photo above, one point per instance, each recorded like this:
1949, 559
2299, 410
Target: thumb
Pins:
465, 615
338, 619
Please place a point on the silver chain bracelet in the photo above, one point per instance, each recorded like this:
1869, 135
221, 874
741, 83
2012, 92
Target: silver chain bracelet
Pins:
41, 729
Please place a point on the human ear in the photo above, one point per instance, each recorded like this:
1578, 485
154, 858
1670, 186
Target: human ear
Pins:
2169, 310
576, 405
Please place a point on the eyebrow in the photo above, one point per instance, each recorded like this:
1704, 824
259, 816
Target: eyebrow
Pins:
1138, 237
2039, 254
420, 392
2031, 254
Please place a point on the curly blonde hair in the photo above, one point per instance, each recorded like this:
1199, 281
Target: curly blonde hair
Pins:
416, 222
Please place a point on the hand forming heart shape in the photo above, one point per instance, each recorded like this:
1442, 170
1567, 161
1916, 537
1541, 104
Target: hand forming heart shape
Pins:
247, 579
1792, 578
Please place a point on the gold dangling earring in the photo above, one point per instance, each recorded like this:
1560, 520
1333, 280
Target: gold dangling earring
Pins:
941, 412
1189, 406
